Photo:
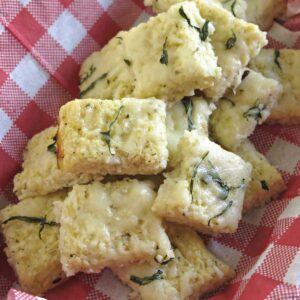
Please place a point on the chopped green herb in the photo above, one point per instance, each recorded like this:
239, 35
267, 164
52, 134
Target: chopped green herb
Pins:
85, 76
127, 62
203, 33
119, 37
276, 59
147, 279
264, 185
232, 7
195, 172
231, 41
221, 213
188, 105
52, 147
245, 74
36, 220
228, 100
106, 135
164, 261
164, 57
255, 112
92, 85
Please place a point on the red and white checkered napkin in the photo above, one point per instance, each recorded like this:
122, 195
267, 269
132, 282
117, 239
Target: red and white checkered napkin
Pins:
42, 44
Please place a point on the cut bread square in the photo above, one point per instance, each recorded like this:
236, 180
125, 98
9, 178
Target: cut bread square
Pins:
284, 66
105, 225
206, 189
31, 235
239, 113
125, 136
40, 174
234, 41
188, 114
266, 182
167, 57
193, 272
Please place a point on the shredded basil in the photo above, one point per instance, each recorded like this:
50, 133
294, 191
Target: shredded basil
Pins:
228, 100
127, 62
264, 185
276, 59
203, 33
147, 279
85, 76
52, 147
231, 41
221, 213
106, 135
195, 172
164, 57
36, 220
255, 112
165, 260
92, 85
245, 74
188, 105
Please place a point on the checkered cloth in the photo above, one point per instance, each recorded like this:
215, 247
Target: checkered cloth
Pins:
42, 45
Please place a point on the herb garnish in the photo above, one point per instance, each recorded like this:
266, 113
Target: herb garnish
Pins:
245, 74
127, 62
147, 279
106, 135
277, 55
188, 105
264, 185
52, 147
87, 74
164, 261
36, 220
195, 172
221, 213
231, 41
203, 33
164, 57
92, 85
232, 8
255, 112
228, 100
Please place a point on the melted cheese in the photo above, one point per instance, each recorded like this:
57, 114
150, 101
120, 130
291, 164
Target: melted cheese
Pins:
193, 272
110, 224
249, 42
41, 174
205, 206
136, 144
288, 109
36, 261
132, 65
238, 113
266, 182
177, 123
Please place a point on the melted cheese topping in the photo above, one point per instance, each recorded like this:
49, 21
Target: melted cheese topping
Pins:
177, 123
195, 193
110, 224
266, 182
132, 62
36, 261
287, 111
136, 143
41, 174
239, 113
193, 272
249, 41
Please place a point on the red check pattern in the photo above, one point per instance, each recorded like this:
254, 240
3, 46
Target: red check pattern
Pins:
43, 44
